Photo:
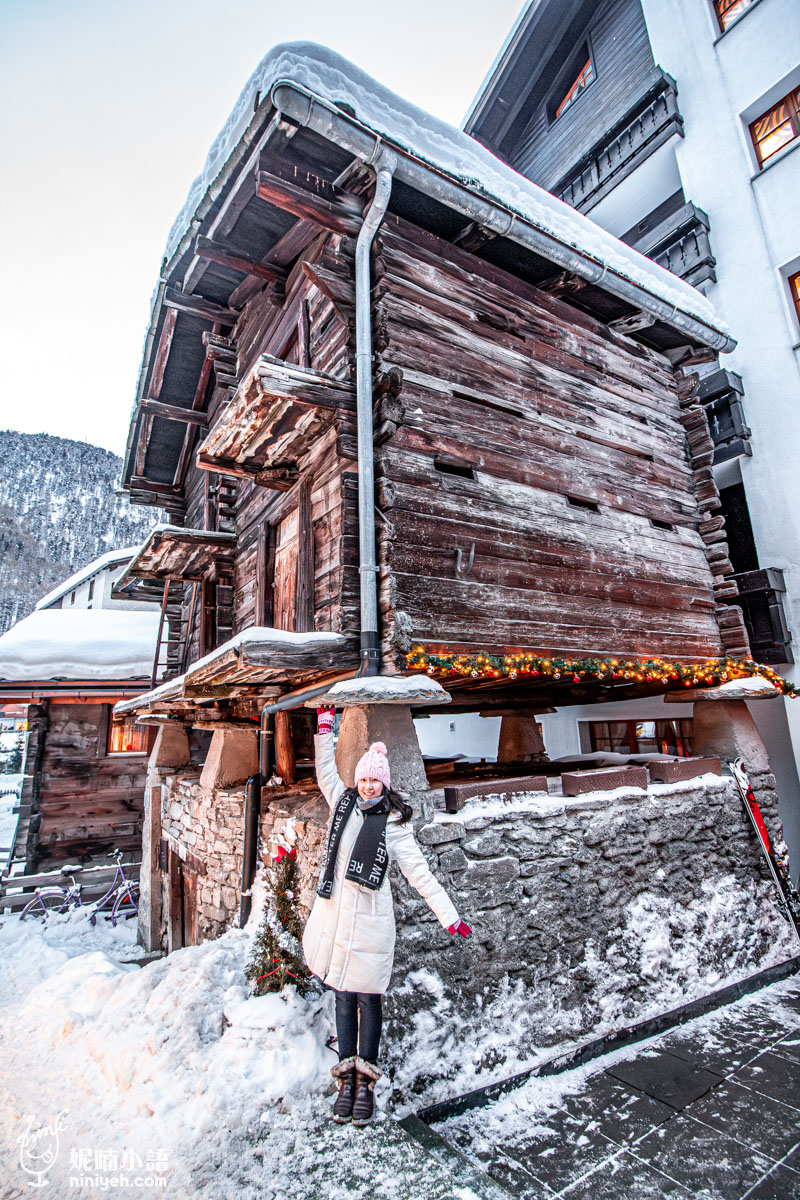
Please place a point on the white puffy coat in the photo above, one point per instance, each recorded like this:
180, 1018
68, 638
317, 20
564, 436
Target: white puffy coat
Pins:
349, 939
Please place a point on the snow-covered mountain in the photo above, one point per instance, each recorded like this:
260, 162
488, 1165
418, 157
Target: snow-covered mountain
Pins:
59, 510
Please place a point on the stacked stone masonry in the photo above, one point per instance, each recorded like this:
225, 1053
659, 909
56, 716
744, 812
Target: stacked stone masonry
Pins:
603, 908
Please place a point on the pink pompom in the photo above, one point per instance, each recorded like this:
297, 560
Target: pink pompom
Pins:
378, 747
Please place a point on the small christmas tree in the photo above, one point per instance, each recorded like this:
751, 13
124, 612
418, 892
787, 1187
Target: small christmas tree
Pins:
277, 957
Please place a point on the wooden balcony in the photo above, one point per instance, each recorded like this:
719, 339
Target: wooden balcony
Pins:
651, 121
172, 552
277, 413
721, 393
249, 664
761, 601
681, 244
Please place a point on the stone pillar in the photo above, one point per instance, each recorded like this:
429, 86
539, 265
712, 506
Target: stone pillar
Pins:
724, 729
232, 757
520, 740
391, 724
170, 752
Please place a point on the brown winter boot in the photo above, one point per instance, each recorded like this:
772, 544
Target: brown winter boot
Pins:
367, 1075
345, 1075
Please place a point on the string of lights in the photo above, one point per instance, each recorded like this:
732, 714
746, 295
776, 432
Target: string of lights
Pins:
592, 670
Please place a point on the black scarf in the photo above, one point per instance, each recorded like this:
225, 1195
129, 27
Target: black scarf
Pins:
370, 857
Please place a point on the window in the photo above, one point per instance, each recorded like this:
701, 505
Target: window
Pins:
729, 11
777, 128
584, 77
91, 590
643, 737
126, 737
794, 288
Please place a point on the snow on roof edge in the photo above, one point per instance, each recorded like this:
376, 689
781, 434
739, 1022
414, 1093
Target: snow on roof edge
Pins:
81, 576
444, 148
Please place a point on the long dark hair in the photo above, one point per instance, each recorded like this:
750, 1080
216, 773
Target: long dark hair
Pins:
395, 801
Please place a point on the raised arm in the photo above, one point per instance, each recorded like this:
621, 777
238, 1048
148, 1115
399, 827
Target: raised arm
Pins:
411, 862
328, 779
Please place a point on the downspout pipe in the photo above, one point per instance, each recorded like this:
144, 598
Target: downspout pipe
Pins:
252, 810
368, 567
305, 107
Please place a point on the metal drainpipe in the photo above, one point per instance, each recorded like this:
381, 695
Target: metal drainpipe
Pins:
368, 567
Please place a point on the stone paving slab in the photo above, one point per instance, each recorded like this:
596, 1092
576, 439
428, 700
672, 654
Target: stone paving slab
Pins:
710, 1110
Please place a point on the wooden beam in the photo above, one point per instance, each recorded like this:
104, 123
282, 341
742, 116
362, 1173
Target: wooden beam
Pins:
162, 354
196, 306
141, 449
215, 252
174, 412
309, 206
197, 404
149, 485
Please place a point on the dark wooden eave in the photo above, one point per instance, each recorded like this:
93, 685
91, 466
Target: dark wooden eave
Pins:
174, 553
277, 413
251, 662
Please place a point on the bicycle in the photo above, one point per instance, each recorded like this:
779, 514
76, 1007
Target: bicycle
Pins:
124, 896
54, 899
124, 893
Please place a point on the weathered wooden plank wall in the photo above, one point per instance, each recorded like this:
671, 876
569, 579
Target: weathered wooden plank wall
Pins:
90, 801
550, 442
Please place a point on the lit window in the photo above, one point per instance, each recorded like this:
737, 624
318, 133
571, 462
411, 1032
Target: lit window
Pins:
585, 77
642, 737
729, 11
126, 737
794, 288
777, 128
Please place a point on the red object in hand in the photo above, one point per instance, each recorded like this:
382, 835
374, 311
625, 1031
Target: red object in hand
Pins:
460, 927
326, 715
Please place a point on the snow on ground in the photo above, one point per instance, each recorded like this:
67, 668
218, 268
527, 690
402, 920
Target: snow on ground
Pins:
525, 1111
9, 797
174, 1076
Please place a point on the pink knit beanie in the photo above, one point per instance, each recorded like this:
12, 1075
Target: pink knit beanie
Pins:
374, 765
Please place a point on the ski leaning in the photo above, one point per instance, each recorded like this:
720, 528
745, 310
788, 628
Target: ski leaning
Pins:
788, 897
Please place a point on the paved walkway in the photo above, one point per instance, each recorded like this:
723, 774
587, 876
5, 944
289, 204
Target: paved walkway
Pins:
709, 1110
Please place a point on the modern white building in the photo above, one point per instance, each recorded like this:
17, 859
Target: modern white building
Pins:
91, 586
676, 126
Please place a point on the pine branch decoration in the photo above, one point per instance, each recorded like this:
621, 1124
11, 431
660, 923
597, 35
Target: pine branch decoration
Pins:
277, 957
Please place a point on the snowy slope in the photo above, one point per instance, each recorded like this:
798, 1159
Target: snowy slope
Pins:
221, 1095
59, 510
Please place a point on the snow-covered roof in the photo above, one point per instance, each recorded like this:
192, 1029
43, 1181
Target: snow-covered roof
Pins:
110, 559
445, 149
85, 644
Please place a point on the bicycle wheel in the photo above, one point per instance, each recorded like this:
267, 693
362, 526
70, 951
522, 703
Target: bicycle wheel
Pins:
45, 901
126, 904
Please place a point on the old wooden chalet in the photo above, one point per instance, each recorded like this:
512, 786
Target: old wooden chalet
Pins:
360, 306
70, 662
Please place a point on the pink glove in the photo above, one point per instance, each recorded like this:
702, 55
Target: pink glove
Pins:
325, 719
460, 927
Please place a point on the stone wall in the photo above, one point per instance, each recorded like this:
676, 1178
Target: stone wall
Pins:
588, 913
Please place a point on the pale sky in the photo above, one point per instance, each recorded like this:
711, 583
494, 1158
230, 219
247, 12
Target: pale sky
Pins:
109, 108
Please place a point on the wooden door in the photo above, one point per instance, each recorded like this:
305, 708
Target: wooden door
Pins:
285, 589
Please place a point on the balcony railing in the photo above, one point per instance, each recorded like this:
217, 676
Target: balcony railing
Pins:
681, 244
761, 601
721, 393
652, 120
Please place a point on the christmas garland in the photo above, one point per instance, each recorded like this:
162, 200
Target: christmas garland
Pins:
594, 670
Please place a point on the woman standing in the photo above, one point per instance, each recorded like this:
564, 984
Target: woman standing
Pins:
349, 938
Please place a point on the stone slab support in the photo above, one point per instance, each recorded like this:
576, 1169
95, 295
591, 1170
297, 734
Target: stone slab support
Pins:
232, 758
724, 729
520, 740
393, 725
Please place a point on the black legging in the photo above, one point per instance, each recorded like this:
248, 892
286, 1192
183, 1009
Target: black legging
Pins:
359, 1016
